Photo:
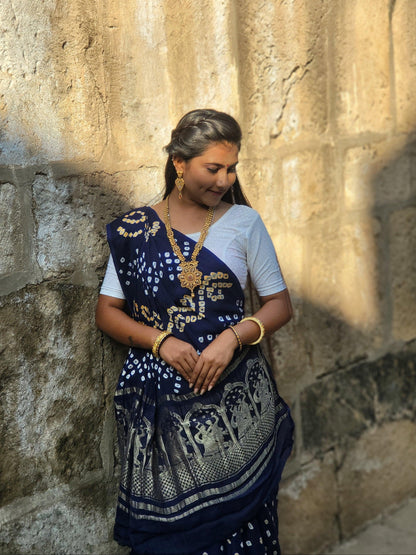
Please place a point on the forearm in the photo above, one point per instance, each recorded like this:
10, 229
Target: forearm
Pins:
275, 312
113, 321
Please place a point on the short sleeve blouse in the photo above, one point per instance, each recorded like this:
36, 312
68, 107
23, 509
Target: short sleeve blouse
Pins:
240, 239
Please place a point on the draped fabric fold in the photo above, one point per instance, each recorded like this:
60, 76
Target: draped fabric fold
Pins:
194, 467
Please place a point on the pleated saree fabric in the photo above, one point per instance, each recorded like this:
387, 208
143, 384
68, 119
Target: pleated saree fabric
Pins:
196, 469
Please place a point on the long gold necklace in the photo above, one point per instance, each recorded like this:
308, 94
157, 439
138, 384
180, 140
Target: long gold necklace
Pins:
190, 277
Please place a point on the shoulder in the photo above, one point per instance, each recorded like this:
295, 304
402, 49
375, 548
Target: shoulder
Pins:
136, 215
134, 222
244, 215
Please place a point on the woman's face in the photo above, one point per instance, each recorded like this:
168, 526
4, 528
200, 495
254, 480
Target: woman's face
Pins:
209, 176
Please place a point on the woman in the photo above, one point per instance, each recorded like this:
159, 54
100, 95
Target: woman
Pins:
203, 433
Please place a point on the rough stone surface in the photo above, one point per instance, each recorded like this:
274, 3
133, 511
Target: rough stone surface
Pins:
12, 240
403, 249
381, 165
86, 516
378, 471
403, 24
362, 65
308, 508
51, 389
324, 91
343, 405
336, 409
343, 270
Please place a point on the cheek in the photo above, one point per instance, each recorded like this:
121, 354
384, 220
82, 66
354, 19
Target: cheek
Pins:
231, 178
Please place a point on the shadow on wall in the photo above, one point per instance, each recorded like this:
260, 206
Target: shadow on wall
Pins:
352, 392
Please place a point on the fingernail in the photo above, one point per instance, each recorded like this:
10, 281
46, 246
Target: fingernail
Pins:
210, 387
196, 390
191, 385
202, 391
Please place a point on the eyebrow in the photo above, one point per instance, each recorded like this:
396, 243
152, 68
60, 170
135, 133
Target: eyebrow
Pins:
221, 165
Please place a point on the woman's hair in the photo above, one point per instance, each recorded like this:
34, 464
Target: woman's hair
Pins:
195, 132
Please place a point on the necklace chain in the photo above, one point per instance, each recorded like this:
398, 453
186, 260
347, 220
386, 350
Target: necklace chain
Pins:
190, 277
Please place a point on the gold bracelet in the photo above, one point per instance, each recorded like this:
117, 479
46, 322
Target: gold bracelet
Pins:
238, 337
260, 325
158, 342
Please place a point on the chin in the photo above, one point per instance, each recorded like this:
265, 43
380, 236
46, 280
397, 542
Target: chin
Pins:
213, 200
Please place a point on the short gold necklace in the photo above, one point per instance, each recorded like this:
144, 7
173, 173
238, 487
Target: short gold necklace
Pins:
190, 277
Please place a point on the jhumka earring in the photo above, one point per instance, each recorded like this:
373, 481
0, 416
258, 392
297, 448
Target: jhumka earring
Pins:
179, 182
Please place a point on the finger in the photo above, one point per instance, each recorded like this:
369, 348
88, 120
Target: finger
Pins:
210, 378
189, 364
181, 370
194, 357
198, 375
215, 378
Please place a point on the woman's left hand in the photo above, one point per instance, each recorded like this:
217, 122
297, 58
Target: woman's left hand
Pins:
213, 360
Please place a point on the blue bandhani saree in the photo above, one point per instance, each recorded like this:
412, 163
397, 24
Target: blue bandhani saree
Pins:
197, 470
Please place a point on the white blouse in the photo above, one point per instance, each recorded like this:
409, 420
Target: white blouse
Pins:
240, 239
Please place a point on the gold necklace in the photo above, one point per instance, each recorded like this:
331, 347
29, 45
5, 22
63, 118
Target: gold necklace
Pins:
190, 277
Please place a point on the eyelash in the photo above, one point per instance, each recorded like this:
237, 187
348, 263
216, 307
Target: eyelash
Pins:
215, 170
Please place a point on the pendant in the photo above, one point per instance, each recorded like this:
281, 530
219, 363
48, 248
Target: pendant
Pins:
190, 277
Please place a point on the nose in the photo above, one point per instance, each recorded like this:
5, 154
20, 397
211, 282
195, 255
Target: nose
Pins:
223, 178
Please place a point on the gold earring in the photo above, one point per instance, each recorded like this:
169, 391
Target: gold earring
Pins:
179, 182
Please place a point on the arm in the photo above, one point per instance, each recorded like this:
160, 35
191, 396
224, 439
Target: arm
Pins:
275, 312
112, 320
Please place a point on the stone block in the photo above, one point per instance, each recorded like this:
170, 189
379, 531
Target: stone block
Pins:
72, 212
377, 472
360, 46
395, 378
378, 174
313, 344
308, 507
342, 270
52, 398
404, 50
210, 76
126, 189
260, 183
283, 71
403, 273
66, 234
14, 235
308, 192
53, 87
290, 250
337, 409
345, 404
71, 521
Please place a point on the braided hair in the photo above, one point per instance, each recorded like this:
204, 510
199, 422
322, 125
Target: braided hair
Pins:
195, 132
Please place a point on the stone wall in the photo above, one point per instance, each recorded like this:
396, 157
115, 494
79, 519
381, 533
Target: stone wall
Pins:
324, 90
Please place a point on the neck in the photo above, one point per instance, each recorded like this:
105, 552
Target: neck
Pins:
185, 204
187, 217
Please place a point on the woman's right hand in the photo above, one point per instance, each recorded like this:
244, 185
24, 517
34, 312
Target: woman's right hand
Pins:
179, 354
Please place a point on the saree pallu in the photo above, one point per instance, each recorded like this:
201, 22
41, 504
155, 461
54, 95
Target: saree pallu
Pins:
194, 467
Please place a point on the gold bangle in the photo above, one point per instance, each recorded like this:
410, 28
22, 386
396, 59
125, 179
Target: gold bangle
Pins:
238, 337
158, 342
260, 325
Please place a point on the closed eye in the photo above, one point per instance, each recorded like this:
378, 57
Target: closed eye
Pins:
231, 169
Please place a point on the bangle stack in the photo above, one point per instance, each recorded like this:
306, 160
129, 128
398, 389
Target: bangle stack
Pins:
237, 335
260, 325
158, 342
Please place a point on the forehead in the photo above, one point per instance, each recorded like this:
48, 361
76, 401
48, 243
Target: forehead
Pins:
220, 153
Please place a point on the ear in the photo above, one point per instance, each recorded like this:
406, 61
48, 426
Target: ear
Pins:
179, 163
